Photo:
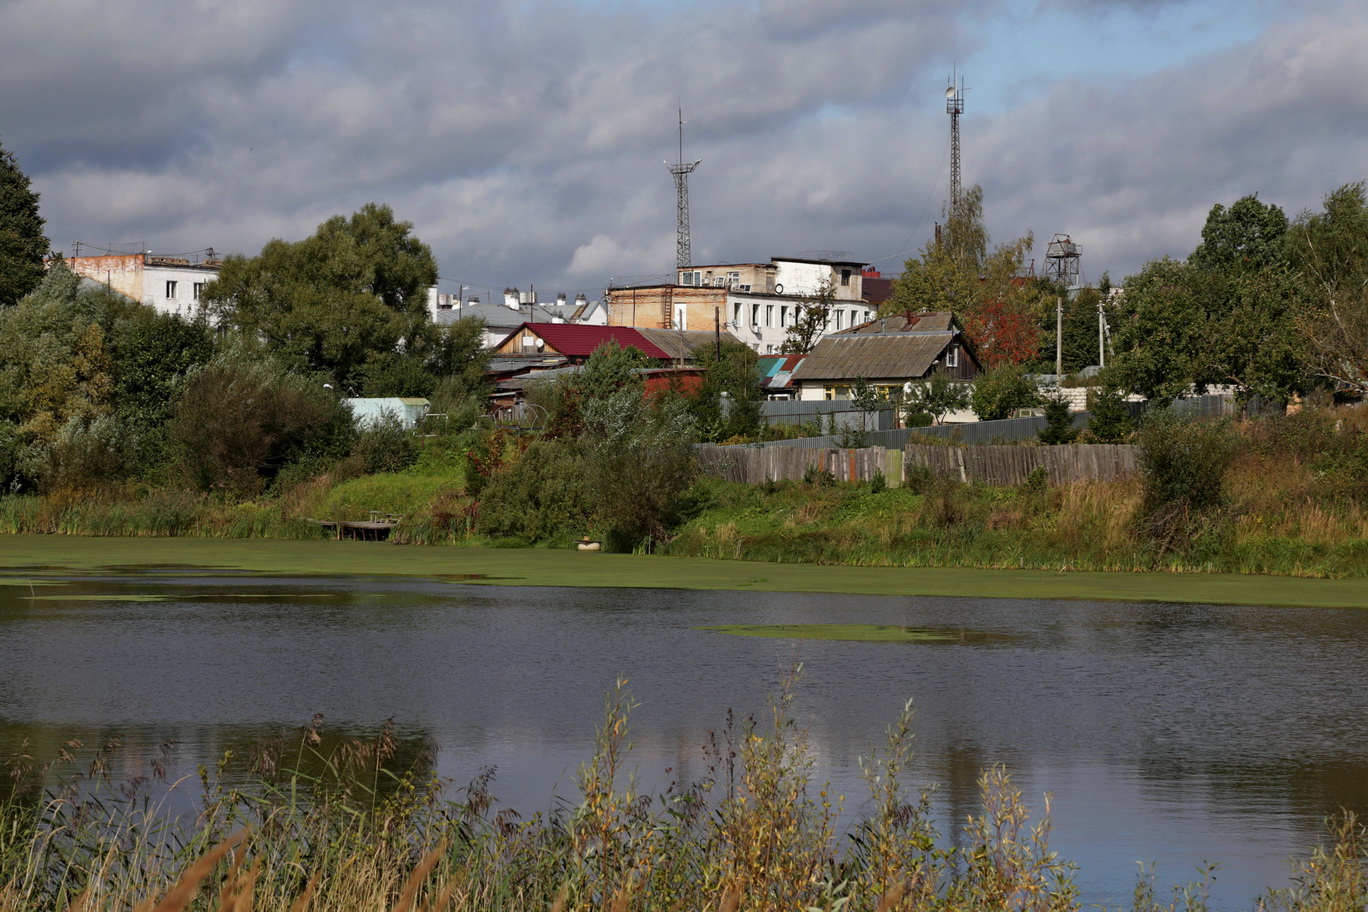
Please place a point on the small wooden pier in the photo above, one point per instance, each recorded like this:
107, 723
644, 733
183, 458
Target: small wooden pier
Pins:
377, 528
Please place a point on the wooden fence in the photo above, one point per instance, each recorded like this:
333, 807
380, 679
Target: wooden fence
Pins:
996, 465
755, 465
1010, 465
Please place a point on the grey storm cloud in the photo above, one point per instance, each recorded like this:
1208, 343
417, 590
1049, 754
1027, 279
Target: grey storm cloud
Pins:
525, 139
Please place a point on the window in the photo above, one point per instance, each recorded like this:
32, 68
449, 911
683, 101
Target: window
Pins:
769, 349
171, 291
769, 314
693, 277
199, 287
839, 315
952, 356
829, 393
679, 317
755, 314
845, 277
733, 278
783, 315
736, 317
719, 282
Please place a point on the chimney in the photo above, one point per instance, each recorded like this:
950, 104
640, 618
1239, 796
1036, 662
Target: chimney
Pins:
511, 298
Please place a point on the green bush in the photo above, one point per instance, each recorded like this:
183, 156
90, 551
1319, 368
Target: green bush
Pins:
999, 392
1183, 465
240, 419
640, 462
1058, 422
1109, 420
89, 453
385, 446
538, 497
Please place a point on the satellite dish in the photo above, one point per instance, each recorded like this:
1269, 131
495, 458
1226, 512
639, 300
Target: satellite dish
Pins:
778, 289
950, 92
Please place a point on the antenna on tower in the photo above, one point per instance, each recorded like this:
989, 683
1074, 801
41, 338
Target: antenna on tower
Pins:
954, 106
683, 251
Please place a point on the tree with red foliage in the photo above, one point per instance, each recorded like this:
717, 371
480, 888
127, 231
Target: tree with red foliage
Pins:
1003, 332
991, 292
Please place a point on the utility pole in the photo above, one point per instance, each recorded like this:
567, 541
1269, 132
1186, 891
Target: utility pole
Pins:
1102, 332
681, 171
1059, 341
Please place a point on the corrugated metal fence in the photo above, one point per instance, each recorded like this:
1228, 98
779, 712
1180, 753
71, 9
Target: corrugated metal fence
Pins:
846, 415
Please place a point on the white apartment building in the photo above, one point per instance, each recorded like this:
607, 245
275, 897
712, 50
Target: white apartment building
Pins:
764, 300
170, 284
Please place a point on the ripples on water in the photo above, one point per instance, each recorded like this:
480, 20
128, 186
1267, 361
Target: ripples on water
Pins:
1173, 734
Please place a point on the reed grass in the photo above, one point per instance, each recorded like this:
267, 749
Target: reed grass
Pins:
345, 826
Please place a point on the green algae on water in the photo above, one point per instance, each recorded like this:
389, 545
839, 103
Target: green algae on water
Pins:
857, 633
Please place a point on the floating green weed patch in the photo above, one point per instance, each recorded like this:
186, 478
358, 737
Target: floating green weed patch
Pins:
101, 598
859, 633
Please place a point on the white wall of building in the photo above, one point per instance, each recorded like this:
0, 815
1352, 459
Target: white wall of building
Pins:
763, 321
800, 278
176, 289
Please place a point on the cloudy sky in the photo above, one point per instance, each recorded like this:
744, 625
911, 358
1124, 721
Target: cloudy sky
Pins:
526, 139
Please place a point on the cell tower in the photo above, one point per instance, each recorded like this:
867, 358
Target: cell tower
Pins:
1062, 259
954, 106
683, 251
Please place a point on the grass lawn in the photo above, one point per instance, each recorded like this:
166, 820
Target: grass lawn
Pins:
21, 555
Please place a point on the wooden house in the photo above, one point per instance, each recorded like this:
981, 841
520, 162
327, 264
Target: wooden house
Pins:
889, 353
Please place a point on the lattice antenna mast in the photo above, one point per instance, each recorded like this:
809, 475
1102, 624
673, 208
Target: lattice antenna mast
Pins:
954, 106
683, 251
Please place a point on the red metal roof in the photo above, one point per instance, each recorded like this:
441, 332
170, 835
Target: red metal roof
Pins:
577, 340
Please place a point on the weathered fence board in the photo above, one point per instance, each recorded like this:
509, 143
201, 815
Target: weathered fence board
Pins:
1012, 465
755, 465
996, 465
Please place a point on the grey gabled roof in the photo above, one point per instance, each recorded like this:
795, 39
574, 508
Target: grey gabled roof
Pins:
683, 344
931, 321
879, 356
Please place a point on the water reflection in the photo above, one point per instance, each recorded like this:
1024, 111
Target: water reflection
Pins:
1168, 733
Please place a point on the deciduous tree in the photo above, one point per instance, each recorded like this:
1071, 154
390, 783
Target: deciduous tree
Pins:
938, 396
810, 322
355, 289
998, 304
731, 377
1222, 317
997, 393
241, 418
1329, 254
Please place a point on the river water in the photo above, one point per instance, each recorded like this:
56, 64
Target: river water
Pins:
1171, 734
